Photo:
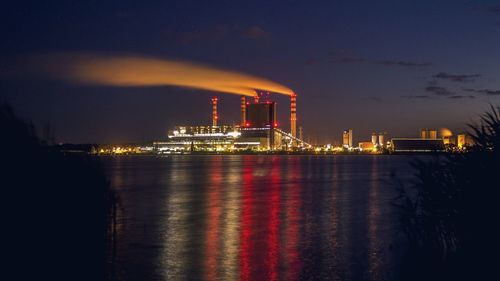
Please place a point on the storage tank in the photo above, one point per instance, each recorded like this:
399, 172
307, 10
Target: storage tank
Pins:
433, 134
381, 140
374, 139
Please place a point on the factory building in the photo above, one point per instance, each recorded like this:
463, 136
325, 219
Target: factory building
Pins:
366, 146
257, 131
464, 140
260, 122
261, 115
449, 140
428, 134
379, 140
347, 138
198, 138
416, 145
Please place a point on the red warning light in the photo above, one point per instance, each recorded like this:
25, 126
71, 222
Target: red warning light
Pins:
275, 124
247, 124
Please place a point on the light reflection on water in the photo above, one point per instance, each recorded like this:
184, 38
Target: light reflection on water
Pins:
256, 217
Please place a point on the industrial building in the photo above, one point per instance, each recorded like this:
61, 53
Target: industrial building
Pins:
260, 122
379, 140
366, 146
428, 134
257, 131
416, 145
347, 138
464, 141
198, 138
261, 130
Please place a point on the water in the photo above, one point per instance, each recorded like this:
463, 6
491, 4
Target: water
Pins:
256, 217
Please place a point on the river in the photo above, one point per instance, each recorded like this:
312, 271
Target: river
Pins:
250, 217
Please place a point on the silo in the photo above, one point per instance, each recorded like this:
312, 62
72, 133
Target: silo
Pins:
433, 134
374, 139
381, 139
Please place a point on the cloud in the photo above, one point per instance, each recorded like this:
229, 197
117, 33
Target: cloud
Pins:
347, 60
354, 59
484, 91
438, 91
217, 33
462, 97
456, 77
402, 63
341, 56
417, 97
432, 83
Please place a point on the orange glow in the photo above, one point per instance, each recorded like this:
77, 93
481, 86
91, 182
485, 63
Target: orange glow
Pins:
446, 133
146, 71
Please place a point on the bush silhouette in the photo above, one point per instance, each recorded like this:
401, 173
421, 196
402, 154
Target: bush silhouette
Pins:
56, 209
449, 214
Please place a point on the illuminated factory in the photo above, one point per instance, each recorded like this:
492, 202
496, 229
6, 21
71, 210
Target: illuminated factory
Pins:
429, 141
258, 131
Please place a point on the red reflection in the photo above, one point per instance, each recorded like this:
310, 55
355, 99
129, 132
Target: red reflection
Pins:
246, 220
213, 223
292, 230
273, 240
267, 244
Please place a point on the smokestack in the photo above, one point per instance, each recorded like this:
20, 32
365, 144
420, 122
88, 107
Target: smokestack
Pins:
214, 111
256, 98
293, 115
243, 107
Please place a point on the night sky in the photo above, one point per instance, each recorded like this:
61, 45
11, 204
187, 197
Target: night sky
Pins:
386, 66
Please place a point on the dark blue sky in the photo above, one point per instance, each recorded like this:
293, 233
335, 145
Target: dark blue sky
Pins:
368, 65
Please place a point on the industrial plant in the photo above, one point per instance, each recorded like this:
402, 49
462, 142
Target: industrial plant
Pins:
258, 130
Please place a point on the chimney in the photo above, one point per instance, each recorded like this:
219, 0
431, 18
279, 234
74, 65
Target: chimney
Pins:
215, 117
293, 115
243, 107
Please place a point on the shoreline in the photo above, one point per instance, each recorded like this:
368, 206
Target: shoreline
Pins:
276, 154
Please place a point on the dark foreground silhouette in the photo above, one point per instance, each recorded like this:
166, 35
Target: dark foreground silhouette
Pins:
56, 209
450, 214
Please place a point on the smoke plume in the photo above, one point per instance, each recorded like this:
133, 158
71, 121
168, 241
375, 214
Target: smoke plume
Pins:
147, 71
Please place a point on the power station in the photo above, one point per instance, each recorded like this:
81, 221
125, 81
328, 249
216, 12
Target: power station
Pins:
258, 130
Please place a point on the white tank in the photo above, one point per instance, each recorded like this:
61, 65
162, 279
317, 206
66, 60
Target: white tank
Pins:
374, 139
381, 140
